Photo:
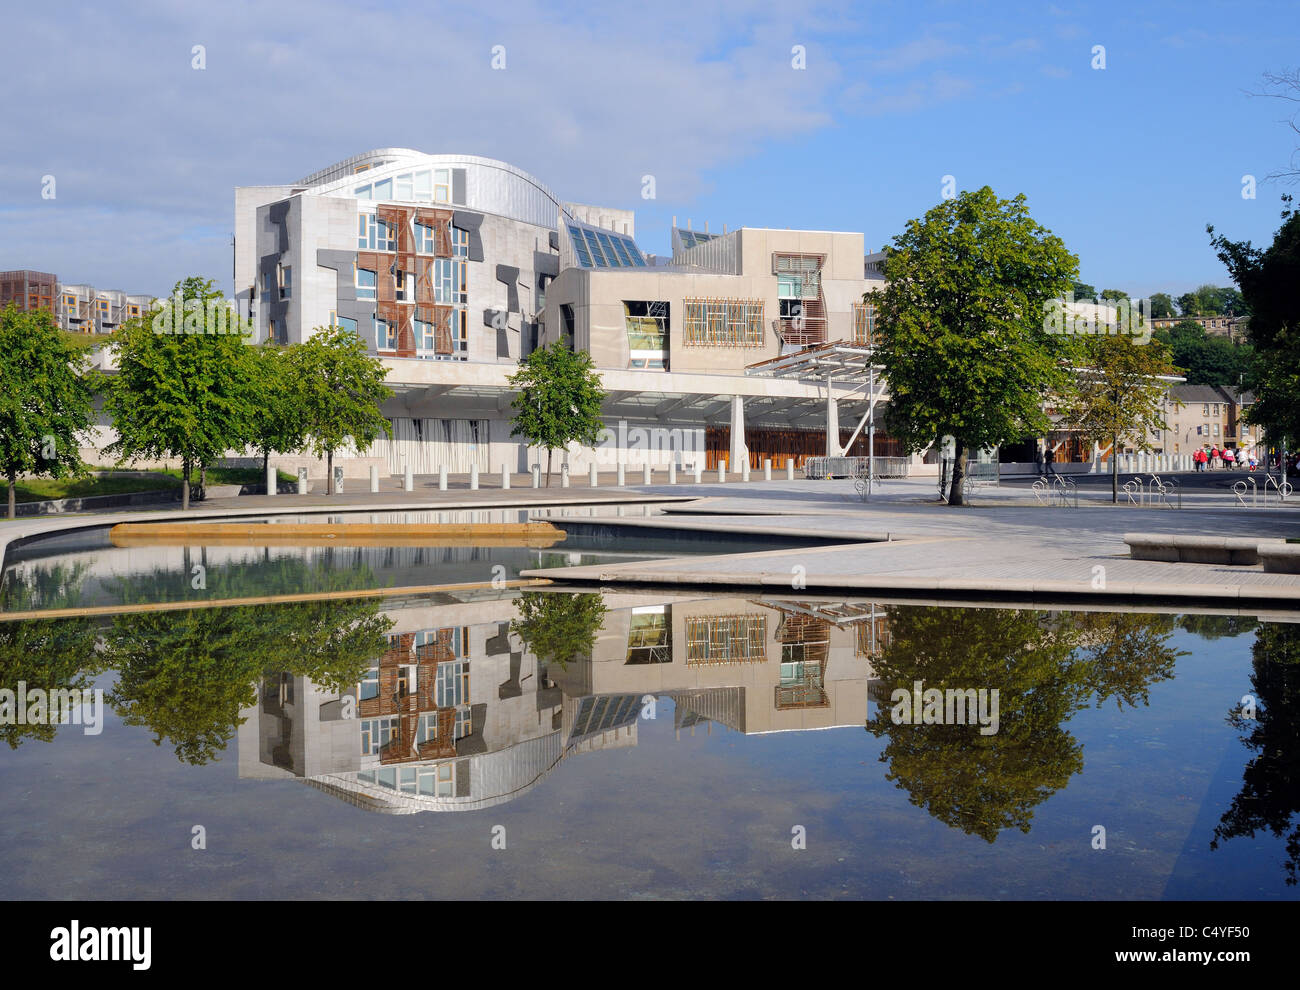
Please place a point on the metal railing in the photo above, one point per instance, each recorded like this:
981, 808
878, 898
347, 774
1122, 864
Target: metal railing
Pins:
854, 467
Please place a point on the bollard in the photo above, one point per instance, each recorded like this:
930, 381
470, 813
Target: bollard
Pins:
271, 480
744, 470
537, 475
789, 469
338, 480
564, 475
672, 472
699, 472
408, 478
473, 477
767, 469
722, 472
442, 477
592, 479
505, 477
645, 473
622, 476
374, 479
302, 481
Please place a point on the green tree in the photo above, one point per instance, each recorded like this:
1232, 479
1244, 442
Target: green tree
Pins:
1113, 295
50, 654
277, 420
1083, 292
558, 400
1044, 667
1162, 305
1269, 799
964, 342
1204, 359
186, 386
338, 389
1119, 395
188, 675
46, 400
1268, 278
558, 627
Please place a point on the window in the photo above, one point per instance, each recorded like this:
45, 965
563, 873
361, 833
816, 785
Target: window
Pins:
402, 188
384, 189
599, 249
286, 282
646, 323
1205, 409
347, 323
438, 780
385, 334
451, 688
423, 337
376, 733
365, 283
449, 282
426, 239
423, 188
864, 323
442, 185
405, 286
459, 242
726, 639
374, 234
458, 326
723, 323
1216, 429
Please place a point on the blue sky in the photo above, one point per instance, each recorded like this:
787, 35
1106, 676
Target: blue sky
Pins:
1126, 163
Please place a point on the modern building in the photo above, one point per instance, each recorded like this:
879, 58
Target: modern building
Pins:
76, 308
28, 290
453, 268
85, 309
460, 715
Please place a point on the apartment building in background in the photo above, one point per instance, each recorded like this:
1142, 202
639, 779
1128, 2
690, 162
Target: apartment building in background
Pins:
76, 308
1232, 327
1204, 416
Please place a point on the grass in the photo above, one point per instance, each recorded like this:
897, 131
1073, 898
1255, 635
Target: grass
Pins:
116, 482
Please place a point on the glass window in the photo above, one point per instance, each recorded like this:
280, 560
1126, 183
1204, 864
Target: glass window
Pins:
384, 189
286, 282
365, 284
442, 185
459, 242
580, 247
402, 187
423, 186
362, 192
425, 239
346, 322
423, 336
452, 686
385, 334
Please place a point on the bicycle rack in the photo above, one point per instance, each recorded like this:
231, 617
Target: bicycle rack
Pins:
1283, 489
1135, 492
1240, 488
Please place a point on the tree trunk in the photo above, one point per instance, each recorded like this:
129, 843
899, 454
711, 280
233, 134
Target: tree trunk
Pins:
956, 496
185, 483
329, 472
548, 466
203, 479
13, 495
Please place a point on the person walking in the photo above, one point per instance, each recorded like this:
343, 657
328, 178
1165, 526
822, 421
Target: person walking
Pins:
1048, 458
1229, 459
1199, 459
1252, 463
1038, 458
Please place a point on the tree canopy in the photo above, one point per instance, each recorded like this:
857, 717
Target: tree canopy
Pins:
180, 393
339, 388
558, 401
963, 339
47, 400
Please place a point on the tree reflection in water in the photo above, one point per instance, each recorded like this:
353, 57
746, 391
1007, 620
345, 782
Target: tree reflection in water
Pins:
1270, 789
1045, 666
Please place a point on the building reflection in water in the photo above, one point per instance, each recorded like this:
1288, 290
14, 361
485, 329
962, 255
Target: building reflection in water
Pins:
460, 714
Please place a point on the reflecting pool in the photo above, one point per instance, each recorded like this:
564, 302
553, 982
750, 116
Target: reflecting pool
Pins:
552, 745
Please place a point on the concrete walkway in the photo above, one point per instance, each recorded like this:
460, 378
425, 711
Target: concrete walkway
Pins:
999, 547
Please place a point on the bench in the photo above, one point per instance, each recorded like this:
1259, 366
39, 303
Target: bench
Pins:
1238, 550
1280, 558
